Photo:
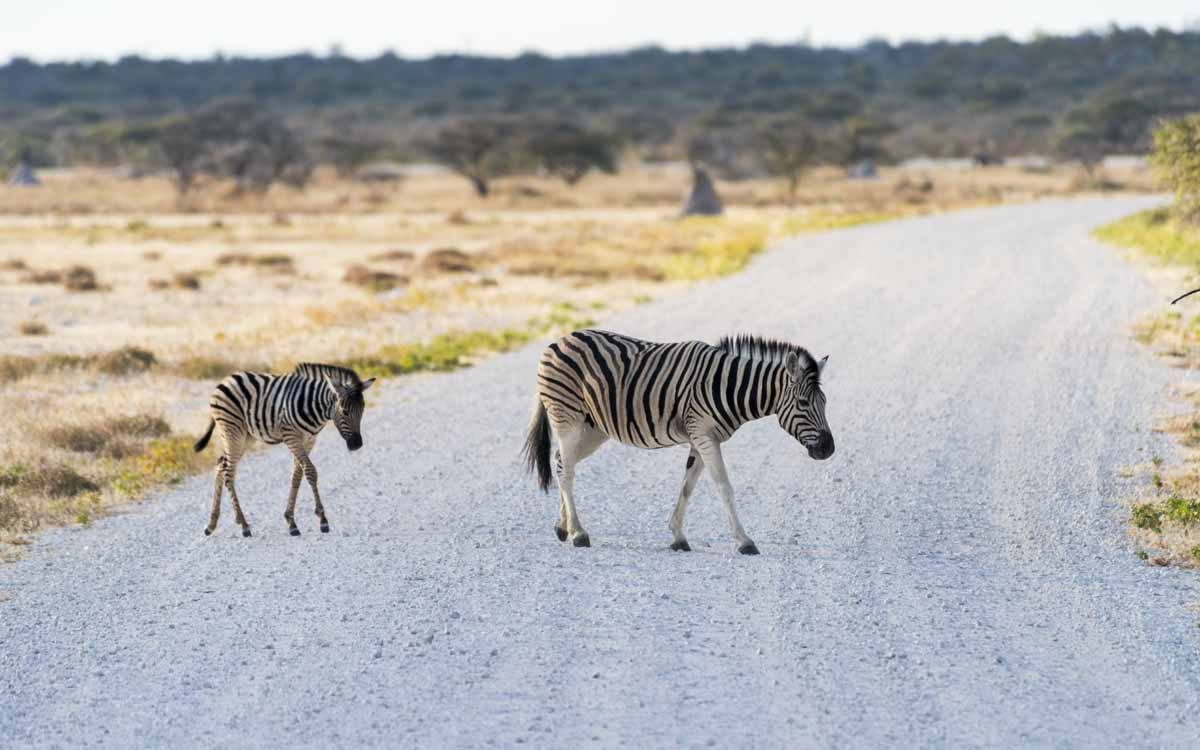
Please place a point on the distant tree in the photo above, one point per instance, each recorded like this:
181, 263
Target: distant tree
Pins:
787, 149
1176, 160
234, 138
569, 152
474, 149
1122, 120
350, 150
859, 138
182, 148
1081, 142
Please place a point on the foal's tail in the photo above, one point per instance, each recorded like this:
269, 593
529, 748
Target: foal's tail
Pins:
537, 445
202, 443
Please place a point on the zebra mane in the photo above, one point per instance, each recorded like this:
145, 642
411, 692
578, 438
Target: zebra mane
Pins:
769, 350
317, 371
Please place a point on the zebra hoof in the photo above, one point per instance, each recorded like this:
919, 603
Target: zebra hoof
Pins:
561, 533
582, 541
324, 528
681, 546
246, 531
208, 532
748, 549
294, 531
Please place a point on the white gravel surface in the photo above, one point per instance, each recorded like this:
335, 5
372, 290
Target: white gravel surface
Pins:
956, 575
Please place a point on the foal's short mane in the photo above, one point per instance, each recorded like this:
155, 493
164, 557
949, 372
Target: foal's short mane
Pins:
316, 371
770, 350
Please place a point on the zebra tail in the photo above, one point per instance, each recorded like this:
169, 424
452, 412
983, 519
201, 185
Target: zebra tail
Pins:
537, 446
202, 443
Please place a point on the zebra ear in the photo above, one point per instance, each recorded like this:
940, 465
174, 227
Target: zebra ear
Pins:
821, 364
792, 364
366, 384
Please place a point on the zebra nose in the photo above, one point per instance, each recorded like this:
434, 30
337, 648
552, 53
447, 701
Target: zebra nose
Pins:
354, 442
823, 448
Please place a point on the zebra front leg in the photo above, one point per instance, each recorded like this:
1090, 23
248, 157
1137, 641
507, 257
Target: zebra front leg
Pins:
695, 465
310, 472
290, 514
218, 485
710, 453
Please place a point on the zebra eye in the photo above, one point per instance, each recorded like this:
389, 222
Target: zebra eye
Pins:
803, 402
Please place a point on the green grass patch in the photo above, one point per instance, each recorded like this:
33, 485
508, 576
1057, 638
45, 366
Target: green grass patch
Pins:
719, 257
452, 351
1155, 234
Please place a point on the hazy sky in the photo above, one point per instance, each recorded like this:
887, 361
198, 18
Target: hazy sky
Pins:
107, 29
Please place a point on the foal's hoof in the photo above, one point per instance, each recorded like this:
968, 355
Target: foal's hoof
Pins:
582, 541
561, 533
294, 531
681, 546
324, 528
748, 549
246, 531
207, 531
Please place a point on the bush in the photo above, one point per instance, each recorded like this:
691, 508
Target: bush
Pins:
33, 328
375, 281
1176, 160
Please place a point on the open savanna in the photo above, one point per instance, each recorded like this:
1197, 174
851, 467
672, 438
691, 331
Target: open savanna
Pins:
121, 305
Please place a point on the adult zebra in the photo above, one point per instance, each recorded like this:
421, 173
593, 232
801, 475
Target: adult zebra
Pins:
595, 385
290, 409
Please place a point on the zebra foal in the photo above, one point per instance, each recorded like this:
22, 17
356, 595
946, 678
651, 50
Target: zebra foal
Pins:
595, 385
290, 409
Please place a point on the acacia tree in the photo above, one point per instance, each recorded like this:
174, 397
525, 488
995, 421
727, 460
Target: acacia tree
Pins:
787, 149
182, 149
474, 149
569, 152
350, 150
1082, 142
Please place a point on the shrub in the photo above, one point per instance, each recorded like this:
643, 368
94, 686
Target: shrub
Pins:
1176, 160
447, 260
186, 281
107, 436
125, 361
33, 328
55, 480
207, 368
80, 279
1147, 516
375, 281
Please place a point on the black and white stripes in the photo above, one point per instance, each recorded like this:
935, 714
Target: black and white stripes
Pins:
290, 409
595, 385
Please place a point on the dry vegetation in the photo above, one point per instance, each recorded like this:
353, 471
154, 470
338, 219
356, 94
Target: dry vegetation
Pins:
1165, 516
118, 313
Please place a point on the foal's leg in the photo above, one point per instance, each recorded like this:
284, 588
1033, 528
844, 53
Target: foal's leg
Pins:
695, 465
589, 441
575, 443
289, 515
218, 485
710, 453
231, 462
300, 448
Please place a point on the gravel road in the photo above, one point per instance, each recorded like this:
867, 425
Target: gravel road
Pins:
957, 575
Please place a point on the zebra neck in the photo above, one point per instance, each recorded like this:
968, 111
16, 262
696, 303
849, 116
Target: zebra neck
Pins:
325, 402
774, 384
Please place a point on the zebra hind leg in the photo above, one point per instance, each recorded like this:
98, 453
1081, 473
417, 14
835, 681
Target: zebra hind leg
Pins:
560, 528
575, 444
218, 486
230, 475
695, 465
